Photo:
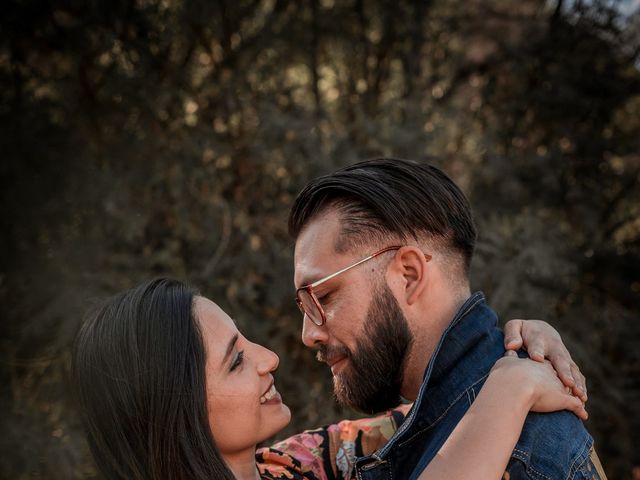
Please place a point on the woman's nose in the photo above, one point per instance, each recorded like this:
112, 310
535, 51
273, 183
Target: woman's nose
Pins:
269, 361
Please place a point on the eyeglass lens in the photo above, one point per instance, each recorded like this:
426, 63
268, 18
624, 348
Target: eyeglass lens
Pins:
309, 306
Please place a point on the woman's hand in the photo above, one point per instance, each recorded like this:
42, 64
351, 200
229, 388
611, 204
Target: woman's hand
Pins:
542, 341
539, 383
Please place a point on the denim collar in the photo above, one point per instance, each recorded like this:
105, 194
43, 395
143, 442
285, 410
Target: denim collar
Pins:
464, 356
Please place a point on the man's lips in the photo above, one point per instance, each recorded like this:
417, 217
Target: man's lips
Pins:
334, 357
338, 365
335, 362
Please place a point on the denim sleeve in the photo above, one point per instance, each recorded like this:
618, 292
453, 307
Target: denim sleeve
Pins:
517, 470
589, 469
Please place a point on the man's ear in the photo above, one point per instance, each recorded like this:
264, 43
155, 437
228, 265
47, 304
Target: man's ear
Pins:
410, 266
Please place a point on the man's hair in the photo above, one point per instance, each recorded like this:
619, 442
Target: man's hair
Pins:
388, 197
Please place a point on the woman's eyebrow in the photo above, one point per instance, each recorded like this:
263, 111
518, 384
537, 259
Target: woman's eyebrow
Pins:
230, 345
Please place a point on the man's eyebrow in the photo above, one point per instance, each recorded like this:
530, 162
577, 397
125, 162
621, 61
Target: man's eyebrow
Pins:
306, 280
311, 277
230, 346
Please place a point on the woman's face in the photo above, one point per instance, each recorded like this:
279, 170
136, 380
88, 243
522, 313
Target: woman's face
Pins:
244, 406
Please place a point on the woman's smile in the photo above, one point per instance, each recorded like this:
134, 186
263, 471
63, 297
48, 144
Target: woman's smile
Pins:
271, 396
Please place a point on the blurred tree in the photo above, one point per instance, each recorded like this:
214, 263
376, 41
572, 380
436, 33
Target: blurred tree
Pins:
143, 138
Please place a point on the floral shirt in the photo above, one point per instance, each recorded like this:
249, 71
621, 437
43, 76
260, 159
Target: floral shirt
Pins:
329, 452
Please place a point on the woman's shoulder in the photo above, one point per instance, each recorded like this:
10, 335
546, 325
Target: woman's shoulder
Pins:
291, 463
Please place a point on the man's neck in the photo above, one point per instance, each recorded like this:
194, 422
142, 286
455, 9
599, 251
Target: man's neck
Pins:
427, 334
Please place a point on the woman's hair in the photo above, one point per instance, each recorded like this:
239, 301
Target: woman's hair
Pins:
139, 374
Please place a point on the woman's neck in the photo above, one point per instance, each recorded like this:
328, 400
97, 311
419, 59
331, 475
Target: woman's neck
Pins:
243, 464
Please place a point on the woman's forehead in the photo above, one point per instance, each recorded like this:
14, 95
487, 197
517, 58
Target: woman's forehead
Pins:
216, 326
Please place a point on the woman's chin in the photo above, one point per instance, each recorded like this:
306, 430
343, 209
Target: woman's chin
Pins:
286, 416
279, 420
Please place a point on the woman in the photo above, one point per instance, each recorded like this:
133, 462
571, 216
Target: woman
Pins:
170, 389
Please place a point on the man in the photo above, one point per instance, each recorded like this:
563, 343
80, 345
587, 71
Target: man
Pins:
382, 256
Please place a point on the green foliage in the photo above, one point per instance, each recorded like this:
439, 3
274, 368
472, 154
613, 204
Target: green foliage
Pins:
143, 138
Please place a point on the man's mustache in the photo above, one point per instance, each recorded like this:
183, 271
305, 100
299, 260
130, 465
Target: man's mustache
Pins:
328, 353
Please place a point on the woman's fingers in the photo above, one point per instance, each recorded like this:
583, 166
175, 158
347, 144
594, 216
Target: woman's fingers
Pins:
532, 335
536, 349
513, 334
564, 370
551, 393
554, 349
575, 405
580, 387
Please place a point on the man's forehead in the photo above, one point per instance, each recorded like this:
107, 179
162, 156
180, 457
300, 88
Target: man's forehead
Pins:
315, 248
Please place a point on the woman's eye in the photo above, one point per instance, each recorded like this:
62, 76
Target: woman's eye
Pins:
237, 361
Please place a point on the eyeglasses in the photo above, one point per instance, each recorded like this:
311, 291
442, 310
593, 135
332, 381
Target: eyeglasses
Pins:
309, 304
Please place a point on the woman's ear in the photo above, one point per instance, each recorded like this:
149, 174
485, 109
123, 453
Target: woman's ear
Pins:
410, 265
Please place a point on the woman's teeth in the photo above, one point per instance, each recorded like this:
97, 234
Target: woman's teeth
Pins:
269, 395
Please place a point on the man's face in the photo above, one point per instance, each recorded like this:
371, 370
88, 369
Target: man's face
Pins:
373, 381
366, 338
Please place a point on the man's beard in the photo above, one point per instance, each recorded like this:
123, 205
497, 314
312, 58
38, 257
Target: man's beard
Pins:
372, 379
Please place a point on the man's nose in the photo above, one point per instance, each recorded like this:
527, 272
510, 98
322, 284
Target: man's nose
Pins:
313, 334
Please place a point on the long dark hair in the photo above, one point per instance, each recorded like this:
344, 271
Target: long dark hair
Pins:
139, 375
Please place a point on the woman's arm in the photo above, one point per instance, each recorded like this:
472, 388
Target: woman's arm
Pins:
481, 444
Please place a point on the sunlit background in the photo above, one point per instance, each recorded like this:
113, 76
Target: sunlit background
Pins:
143, 138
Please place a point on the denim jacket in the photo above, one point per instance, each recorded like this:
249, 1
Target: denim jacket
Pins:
552, 446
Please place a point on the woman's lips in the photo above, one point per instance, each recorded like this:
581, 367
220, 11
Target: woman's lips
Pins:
271, 396
275, 400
